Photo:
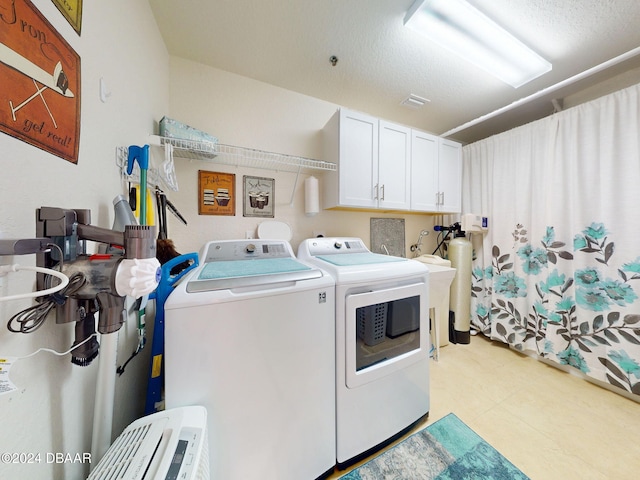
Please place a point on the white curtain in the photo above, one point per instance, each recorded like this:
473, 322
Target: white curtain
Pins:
558, 272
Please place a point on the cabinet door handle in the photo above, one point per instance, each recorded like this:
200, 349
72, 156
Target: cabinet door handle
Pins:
382, 193
442, 198
375, 197
437, 198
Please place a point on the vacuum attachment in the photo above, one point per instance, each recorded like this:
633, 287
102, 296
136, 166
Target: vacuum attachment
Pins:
82, 312
87, 350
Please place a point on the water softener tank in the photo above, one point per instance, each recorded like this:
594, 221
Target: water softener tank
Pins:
460, 295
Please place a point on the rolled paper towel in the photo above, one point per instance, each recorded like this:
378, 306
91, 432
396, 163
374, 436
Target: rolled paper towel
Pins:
311, 196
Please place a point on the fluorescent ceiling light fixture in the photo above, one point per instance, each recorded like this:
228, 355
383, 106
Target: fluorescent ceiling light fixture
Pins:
467, 32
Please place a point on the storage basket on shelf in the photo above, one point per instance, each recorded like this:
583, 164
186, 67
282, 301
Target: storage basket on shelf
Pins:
372, 323
170, 128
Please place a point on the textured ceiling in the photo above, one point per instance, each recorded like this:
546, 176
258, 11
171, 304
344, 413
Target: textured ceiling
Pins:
288, 43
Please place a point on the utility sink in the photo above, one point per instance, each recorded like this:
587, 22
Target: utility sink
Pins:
440, 277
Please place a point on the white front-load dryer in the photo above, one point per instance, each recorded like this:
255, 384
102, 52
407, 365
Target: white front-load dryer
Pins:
382, 343
250, 335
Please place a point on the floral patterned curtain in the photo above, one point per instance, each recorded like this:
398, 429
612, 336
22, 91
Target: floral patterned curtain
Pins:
558, 273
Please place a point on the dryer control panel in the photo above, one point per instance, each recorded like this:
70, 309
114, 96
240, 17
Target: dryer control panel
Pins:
333, 245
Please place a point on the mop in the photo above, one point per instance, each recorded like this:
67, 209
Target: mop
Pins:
154, 401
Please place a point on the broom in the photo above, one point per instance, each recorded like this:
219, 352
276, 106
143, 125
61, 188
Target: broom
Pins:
165, 249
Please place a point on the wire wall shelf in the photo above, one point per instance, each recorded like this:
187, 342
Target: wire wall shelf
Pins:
217, 153
242, 156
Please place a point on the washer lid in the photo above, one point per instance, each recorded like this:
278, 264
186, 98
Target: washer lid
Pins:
222, 275
275, 230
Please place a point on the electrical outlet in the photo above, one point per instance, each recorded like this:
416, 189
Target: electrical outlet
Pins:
249, 235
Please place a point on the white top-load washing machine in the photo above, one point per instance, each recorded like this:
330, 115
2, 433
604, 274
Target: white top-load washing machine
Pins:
382, 343
250, 335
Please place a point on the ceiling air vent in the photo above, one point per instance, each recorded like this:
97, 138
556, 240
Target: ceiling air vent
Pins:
414, 101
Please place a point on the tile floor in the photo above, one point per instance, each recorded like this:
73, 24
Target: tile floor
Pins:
549, 423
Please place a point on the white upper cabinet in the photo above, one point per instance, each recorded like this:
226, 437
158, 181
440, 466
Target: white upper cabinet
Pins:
352, 139
424, 172
382, 165
394, 167
436, 174
374, 162
450, 176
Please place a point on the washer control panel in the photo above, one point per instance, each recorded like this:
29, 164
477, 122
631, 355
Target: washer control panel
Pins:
225, 250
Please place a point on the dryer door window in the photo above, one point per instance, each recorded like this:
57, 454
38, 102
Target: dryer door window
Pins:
386, 330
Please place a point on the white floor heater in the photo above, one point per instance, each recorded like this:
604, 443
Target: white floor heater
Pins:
167, 445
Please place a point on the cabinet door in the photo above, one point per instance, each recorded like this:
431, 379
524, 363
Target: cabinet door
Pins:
424, 172
450, 176
358, 159
394, 166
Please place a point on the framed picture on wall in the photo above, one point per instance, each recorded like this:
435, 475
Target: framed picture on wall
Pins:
40, 78
216, 193
72, 11
258, 196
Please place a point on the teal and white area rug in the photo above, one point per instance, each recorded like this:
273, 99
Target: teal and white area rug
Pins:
446, 450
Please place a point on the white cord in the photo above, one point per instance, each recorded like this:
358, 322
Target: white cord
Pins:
4, 269
60, 354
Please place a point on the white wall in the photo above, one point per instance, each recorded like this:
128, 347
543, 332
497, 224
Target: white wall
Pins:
619, 82
244, 112
52, 409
